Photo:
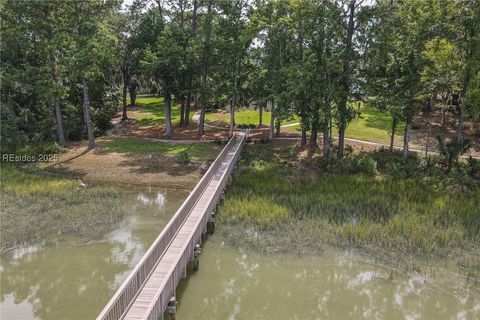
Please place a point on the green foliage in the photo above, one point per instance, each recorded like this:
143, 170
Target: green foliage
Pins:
473, 167
11, 137
451, 150
183, 157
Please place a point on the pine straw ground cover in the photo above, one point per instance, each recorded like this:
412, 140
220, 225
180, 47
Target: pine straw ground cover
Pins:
280, 204
39, 207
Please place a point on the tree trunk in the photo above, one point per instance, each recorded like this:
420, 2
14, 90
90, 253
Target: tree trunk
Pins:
461, 117
345, 81
406, 138
201, 121
187, 110
182, 113
206, 64
115, 103
232, 117
133, 92
190, 62
58, 111
278, 125
260, 116
429, 128
326, 144
124, 99
86, 115
272, 119
60, 131
313, 138
303, 140
392, 136
168, 113
341, 140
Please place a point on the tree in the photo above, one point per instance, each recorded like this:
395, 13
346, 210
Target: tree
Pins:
92, 49
232, 43
165, 65
346, 114
205, 63
396, 63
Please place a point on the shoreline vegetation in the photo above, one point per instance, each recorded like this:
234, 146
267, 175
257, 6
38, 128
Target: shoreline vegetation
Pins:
42, 207
43, 203
288, 201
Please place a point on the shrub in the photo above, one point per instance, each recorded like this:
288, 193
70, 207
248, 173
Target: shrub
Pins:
451, 150
364, 164
217, 141
355, 164
293, 153
40, 149
184, 157
473, 167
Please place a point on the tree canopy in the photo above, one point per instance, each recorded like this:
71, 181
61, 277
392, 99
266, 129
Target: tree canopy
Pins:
66, 65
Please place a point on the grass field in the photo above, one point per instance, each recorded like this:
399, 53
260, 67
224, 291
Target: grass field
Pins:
152, 111
301, 209
42, 207
245, 116
372, 125
196, 151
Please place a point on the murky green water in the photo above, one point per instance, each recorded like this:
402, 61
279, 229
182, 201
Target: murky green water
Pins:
74, 281
236, 284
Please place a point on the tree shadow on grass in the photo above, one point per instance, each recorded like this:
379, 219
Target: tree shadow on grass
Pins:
159, 164
154, 113
378, 120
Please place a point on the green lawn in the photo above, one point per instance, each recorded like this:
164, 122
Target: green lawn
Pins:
245, 116
196, 151
152, 111
372, 125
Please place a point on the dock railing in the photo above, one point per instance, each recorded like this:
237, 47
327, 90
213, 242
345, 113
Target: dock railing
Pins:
127, 292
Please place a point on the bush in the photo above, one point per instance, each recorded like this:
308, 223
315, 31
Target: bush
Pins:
473, 167
293, 153
40, 149
363, 164
11, 137
353, 165
184, 157
451, 150
217, 141
403, 168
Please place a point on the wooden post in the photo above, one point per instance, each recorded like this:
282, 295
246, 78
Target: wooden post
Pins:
172, 308
211, 224
196, 253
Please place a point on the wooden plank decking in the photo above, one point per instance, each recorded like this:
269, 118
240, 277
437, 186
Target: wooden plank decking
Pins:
146, 291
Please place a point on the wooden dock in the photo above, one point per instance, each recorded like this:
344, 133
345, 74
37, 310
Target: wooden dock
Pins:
146, 292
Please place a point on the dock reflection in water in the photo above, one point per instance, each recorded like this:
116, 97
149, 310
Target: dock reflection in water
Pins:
75, 280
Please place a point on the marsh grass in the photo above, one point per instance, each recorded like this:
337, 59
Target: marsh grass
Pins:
400, 216
41, 207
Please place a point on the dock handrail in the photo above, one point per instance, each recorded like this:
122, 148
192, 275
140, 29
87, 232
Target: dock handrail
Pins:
124, 296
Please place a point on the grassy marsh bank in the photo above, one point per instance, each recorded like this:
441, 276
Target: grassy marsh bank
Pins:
38, 206
280, 203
